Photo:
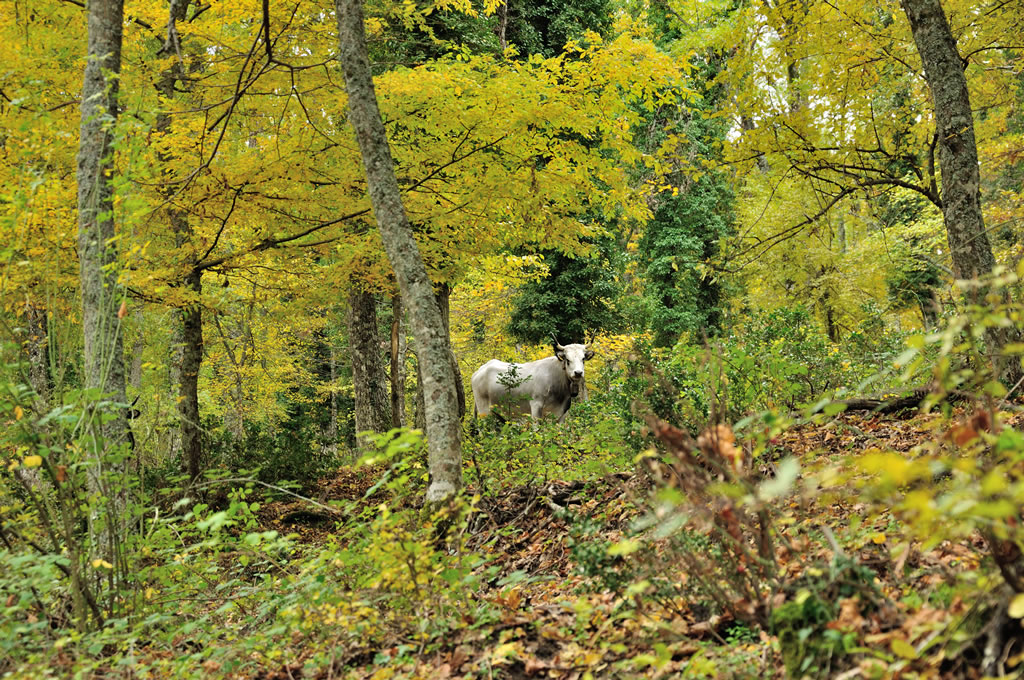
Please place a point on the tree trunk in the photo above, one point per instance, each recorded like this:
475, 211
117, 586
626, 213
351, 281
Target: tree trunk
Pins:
419, 415
444, 303
190, 315
188, 393
332, 426
373, 408
37, 348
397, 374
444, 431
101, 293
97, 254
176, 352
969, 245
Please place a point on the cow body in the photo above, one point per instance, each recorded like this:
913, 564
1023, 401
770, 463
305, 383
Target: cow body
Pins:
545, 386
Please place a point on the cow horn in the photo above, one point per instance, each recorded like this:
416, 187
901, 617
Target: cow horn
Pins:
558, 346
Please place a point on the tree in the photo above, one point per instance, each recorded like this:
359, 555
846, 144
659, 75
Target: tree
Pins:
102, 296
969, 244
444, 431
576, 299
373, 407
693, 212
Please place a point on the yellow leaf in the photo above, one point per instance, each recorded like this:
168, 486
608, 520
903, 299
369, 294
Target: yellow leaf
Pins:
901, 647
32, 461
18, 413
1016, 609
878, 538
96, 564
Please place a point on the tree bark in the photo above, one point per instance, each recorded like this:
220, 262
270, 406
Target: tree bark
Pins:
97, 252
101, 293
373, 407
444, 431
190, 314
332, 426
188, 393
397, 374
443, 294
444, 303
419, 405
969, 244
37, 347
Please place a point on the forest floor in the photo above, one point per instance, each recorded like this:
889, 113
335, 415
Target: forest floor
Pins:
558, 610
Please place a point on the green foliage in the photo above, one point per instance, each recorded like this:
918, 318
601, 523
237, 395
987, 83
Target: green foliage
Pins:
290, 451
594, 557
680, 238
979, 455
590, 442
779, 360
578, 297
809, 646
545, 26
693, 213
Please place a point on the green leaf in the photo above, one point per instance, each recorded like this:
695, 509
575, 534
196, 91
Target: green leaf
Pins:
1010, 440
901, 647
624, 547
834, 408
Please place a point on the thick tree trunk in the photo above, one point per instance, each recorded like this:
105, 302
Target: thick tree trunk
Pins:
373, 407
443, 294
969, 245
444, 431
958, 152
397, 372
101, 293
97, 254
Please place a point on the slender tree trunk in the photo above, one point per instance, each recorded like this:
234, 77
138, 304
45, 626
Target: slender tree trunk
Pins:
191, 314
419, 415
332, 427
397, 374
373, 408
176, 352
503, 25
444, 303
444, 431
443, 294
969, 244
37, 347
97, 254
188, 394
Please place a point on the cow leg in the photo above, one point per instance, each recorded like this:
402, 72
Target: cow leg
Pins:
536, 411
565, 410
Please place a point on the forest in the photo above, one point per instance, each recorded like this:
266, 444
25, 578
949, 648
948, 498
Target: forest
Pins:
506, 339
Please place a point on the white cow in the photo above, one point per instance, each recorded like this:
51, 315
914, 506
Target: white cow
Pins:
537, 387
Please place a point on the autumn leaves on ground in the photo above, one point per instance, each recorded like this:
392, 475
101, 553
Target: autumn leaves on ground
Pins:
614, 575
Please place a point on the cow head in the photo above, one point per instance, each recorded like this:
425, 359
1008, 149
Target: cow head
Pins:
572, 358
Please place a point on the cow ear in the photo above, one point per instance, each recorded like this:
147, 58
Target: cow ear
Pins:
588, 355
560, 355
